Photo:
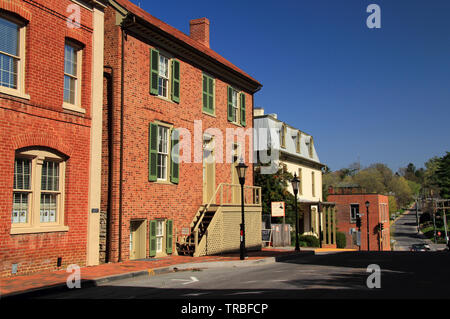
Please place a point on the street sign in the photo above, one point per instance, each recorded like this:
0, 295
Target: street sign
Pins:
278, 209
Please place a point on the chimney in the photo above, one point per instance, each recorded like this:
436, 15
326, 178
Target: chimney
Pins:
199, 29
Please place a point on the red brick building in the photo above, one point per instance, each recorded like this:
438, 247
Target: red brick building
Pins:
159, 84
47, 113
350, 202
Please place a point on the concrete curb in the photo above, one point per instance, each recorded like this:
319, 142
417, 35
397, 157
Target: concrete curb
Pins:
89, 283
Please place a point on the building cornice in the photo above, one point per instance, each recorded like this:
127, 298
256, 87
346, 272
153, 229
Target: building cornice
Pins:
300, 160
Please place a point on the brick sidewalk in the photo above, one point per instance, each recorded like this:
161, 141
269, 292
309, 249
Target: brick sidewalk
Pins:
19, 284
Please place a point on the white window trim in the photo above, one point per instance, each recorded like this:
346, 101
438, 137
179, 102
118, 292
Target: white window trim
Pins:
20, 91
34, 225
169, 150
162, 236
353, 221
77, 106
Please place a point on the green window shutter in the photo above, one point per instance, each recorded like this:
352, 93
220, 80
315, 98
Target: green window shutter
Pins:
154, 71
152, 238
169, 236
175, 157
230, 104
176, 81
211, 94
208, 94
152, 151
243, 109
205, 93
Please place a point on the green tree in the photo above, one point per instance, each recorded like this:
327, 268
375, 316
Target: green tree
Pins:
274, 188
430, 179
371, 180
402, 191
443, 176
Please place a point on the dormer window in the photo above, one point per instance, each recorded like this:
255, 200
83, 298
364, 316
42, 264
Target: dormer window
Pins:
283, 136
298, 142
311, 147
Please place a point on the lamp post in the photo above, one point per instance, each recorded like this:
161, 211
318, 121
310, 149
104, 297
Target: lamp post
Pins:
368, 228
295, 183
241, 169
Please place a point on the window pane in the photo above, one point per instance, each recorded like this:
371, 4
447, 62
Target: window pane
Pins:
69, 89
50, 176
22, 174
8, 71
9, 37
163, 66
70, 61
48, 208
20, 208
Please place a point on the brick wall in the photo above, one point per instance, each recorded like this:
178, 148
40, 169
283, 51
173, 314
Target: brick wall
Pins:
41, 122
344, 225
143, 199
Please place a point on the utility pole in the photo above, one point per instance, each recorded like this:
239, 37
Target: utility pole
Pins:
434, 220
445, 222
417, 215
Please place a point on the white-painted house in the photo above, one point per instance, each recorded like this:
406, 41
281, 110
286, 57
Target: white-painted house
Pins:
297, 152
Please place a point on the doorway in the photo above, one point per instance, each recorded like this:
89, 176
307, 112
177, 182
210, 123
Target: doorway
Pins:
138, 231
209, 171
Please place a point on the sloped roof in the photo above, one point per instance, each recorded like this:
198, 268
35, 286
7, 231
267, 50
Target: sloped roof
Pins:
129, 6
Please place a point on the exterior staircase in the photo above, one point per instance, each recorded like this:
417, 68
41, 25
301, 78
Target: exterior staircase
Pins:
224, 196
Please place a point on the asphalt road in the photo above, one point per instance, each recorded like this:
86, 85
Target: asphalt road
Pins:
405, 232
332, 276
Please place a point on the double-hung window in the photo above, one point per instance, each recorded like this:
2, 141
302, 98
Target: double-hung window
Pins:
12, 56
354, 212
49, 191
22, 191
163, 152
236, 107
159, 235
72, 77
38, 192
164, 76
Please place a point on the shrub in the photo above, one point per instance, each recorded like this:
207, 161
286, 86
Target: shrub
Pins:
310, 240
341, 241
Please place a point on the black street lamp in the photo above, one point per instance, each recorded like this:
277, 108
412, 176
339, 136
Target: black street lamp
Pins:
368, 228
295, 184
241, 169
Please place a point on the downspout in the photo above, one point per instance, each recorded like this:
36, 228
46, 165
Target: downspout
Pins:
122, 77
109, 78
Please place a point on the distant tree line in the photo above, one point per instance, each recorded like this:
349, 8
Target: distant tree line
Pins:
402, 187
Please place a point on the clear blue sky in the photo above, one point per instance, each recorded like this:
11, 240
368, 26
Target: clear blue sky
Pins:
382, 95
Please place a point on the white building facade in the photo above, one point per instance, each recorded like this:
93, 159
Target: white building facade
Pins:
295, 150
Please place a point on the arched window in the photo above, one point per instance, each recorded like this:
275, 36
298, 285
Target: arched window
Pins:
38, 192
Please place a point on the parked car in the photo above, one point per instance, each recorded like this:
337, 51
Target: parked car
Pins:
420, 247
